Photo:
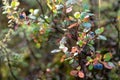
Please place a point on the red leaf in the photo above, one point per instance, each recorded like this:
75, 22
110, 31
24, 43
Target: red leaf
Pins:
68, 10
73, 25
87, 63
86, 19
81, 74
73, 72
106, 65
63, 58
74, 49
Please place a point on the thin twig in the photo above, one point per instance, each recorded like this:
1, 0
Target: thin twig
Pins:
118, 36
9, 65
41, 8
10, 68
99, 5
42, 11
99, 14
28, 44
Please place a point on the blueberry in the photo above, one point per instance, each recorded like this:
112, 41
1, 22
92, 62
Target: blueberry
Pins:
92, 34
21, 16
98, 66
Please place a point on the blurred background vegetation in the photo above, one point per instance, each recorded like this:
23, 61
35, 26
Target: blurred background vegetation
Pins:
35, 60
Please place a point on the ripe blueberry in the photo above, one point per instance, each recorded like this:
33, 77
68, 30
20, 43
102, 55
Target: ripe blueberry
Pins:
98, 66
21, 16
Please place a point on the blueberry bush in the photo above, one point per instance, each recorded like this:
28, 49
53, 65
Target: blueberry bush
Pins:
60, 40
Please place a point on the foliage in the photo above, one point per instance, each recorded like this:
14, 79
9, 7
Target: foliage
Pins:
76, 38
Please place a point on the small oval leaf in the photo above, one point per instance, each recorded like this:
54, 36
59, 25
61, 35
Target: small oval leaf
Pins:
73, 72
107, 56
87, 25
81, 74
77, 15
99, 30
90, 67
101, 37
106, 65
73, 25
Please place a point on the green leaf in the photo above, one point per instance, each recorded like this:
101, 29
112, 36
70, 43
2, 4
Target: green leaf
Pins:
38, 45
77, 15
111, 64
90, 14
83, 14
101, 37
31, 10
14, 3
78, 68
91, 42
59, 1
107, 56
86, 7
69, 2
71, 61
68, 58
48, 4
99, 30
90, 67
80, 43
88, 58
87, 25
92, 48
58, 7
55, 11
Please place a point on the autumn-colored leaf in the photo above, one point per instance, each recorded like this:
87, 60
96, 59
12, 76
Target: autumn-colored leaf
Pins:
42, 31
35, 40
95, 61
73, 25
69, 19
106, 65
55, 20
73, 72
63, 58
68, 10
69, 35
54, 1
74, 49
86, 19
87, 63
81, 74
65, 49
98, 56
